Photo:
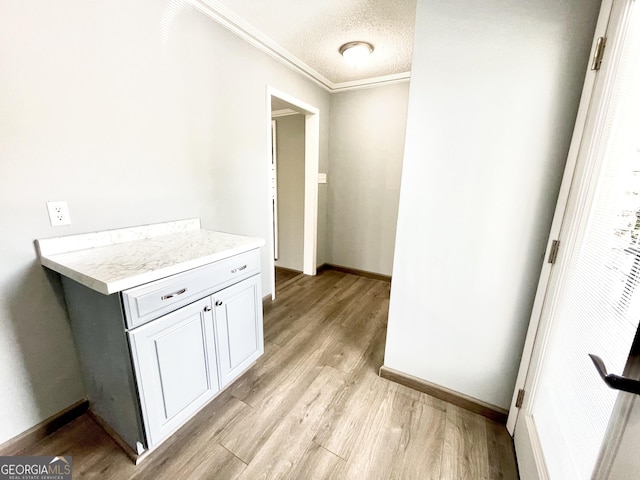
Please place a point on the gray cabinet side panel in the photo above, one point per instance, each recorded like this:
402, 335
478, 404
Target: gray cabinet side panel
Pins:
100, 338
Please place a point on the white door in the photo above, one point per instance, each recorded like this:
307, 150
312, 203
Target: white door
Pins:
175, 364
238, 321
274, 187
592, 303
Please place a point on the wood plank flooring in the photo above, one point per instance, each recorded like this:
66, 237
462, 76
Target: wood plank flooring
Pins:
284, 276
313, 407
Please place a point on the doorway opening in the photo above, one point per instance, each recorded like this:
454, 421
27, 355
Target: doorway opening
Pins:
302, 177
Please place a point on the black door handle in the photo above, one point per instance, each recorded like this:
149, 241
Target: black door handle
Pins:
615, 381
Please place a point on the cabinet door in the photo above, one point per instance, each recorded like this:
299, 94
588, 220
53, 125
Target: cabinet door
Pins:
175, 364
238, 321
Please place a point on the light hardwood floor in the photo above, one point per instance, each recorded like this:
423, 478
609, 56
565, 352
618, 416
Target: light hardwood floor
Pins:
312, 407
284, 276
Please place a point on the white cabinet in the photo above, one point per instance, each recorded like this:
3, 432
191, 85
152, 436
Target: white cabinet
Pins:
184, 358
238, 323
175, 361
155, 354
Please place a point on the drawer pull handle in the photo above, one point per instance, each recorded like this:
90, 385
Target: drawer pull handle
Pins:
236, 270
174, 294
207, 308
219, 303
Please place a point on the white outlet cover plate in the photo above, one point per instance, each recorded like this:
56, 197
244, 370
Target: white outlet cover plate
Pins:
58, 213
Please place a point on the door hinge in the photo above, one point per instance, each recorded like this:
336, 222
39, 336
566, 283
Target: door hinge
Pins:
598, 53
520, 398
553, 253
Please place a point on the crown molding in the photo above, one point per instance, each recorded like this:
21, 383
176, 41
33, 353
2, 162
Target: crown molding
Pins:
372, 82
232, 22
251, 35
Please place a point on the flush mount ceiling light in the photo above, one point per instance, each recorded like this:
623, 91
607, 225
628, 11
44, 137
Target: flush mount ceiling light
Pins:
356, 52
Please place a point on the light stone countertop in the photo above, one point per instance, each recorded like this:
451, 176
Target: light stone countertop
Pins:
116, 260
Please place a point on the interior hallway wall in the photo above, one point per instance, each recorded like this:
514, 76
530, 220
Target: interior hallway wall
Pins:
367, 131
495, 87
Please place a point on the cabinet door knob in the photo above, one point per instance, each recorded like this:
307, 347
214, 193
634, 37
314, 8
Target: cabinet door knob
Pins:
218, 303
207, 308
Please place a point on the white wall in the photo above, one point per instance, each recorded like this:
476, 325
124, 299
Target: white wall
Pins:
367, 131
135, 112
290, 133
493, 97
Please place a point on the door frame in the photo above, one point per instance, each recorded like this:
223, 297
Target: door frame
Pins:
311, 165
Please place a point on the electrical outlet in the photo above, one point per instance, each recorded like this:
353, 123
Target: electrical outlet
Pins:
58, 213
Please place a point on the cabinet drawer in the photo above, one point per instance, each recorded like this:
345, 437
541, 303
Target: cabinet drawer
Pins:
149, 301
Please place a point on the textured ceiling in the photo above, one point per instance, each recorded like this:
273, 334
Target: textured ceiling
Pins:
313, 31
